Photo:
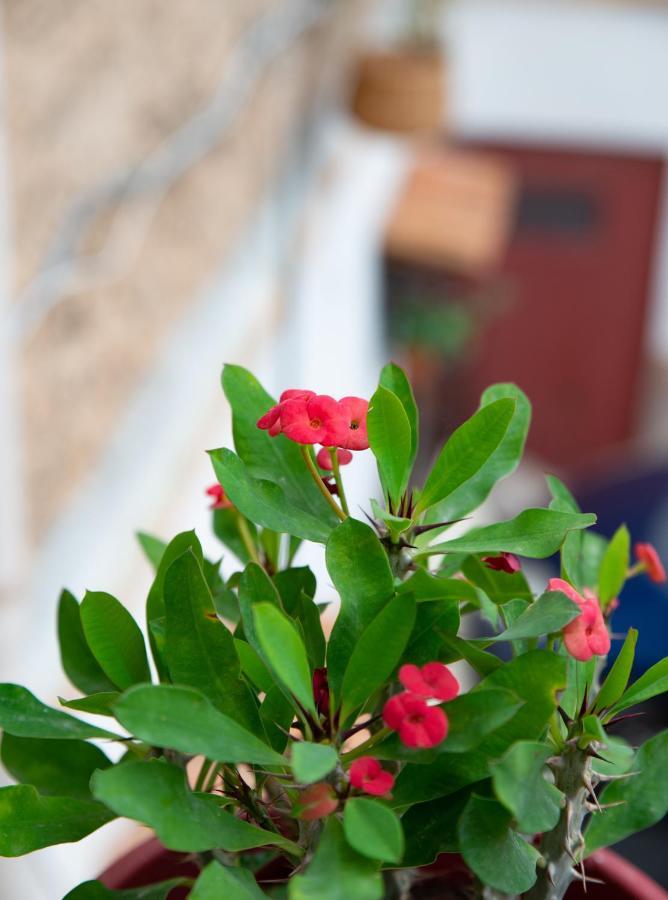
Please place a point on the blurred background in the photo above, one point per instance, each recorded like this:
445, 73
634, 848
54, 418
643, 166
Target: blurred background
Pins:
307, 188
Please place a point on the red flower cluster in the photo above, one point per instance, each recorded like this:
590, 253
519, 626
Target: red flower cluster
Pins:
324, 460
504, 562
219, 497
417, 723
367, 775
586, 635
646, 554
309, 418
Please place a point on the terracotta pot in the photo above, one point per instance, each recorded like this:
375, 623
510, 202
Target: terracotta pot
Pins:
150, 862
401, 91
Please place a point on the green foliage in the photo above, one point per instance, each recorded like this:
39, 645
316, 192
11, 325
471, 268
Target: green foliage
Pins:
652, 683
497, 854
391, 440
155, 793
218, 881
53, 767
618, 677
95, 890
520, 784
311, 762
373, 829
394, 379
643, 798
76, 658
114, 639
284, 650
23, 715
615, 562
153, 548
549, 613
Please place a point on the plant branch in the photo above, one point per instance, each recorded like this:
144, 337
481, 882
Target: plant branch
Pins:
310, 465
336, 469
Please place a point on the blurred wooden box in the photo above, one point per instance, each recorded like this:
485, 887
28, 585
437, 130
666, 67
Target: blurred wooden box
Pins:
455, 212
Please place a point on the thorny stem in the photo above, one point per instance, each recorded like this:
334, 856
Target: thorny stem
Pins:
336, 469
310, 465
562, 847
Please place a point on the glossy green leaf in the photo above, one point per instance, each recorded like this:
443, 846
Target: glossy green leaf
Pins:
274, 458
265, 502
77, 660
498, 586
374, 830
309, 618
217, 882
520, 784
115, 639
458, 648
23, 715
337, 872
390, 440
377, 652
255, 586
652, 683
644, 798
360, 571
501, 463
466, 452
562, 499
53, 767
291, 584
98, 704
431, 828
277, 713
29, 822
182, 718
253, 667
153, 548
492, 850
618, 677
427, 587
394, 379
395, 525
311, 762
226, 529
614, 565
536, 533
436, 621
581, 557
156, 793
551, 611
284, 650
199, 649
95, 890
579, 681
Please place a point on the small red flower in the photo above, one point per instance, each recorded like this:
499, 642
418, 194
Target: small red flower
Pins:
325, 460
219, 497
321, 691
586, 635
367, 775
504, 562
353, 435
646, 553
317, 801
271, 421
316, 420
432, 680
418, 724
296, 394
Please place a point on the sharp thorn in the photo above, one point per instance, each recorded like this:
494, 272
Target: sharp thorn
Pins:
617, 777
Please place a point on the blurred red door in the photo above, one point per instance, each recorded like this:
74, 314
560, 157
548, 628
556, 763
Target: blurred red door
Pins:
571, 332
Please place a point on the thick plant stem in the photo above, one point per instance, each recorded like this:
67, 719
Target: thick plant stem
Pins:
562, 847
310, 465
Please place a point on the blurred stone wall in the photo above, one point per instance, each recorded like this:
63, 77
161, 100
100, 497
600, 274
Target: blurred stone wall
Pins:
93, 87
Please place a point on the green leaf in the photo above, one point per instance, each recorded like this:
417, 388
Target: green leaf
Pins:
97, 704
431, 828
337, 872
377, 653
651, 684
29, 822
311, 762
435, 622
218, 881
153, 548
562, 499
614, 564
482, 662
23, 715
486, 839
551, 611
277, 714
53, 767
226, 529
644, 798
277, 459
115, 639
95, 890
390, 440
182, 718
360, 571
579, 681
426, 587
253, 667
581, 557
76, 658
265, 503
308, 616
395, 525
536, 533
199, 649
374, 830
156, 793
466, 452
502, 462
394, 379
500, 587
255, 586
291, 584
618, 677
284, 650
520, 784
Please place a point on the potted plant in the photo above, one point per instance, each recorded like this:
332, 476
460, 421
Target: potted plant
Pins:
402, 89
270, 760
